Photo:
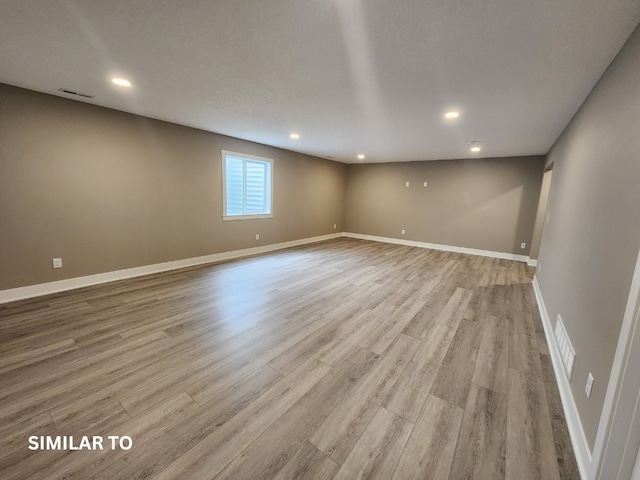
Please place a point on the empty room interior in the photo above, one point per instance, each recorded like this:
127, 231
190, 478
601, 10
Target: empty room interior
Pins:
326, 239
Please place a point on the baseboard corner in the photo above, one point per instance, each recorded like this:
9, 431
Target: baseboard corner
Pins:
437, 246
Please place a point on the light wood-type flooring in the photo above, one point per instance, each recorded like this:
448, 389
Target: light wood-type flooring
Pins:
344, 359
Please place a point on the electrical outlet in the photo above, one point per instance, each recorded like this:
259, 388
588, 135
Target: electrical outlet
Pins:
406, 184
523, 245
57, 263
257, 236
403, 232
425, 184
548, 216
335, 226
587, 388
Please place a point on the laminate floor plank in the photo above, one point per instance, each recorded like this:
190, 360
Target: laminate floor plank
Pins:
37, 464
477, 308
304, 349
283, 439
455, 374
339, 432
492, 364
388, 330
81, 465
215, 451
132, 376
187, 379
74, 394
308, 463
567, 466
524, 354
543, 346
151, 458
12, 436
81, 365
480, 451
349, 336
342, 358
377, 451
430, 448
530, 452
442, 295
455, 308
413, 386
9, 363
228, 369
497, 299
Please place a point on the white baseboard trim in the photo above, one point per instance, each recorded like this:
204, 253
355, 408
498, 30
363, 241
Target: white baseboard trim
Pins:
38, 290
576, 432
436, 246
532, 262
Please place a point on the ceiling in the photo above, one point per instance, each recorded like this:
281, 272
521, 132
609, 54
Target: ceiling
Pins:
351, 77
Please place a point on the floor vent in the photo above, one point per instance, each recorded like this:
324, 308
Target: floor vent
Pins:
567, 352
77, 94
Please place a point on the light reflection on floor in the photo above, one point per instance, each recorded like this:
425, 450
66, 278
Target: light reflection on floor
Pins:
240, 295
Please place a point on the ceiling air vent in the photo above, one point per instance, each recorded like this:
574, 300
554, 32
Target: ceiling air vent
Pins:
77, 94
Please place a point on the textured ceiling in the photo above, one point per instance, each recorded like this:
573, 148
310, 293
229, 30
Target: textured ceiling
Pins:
350, 76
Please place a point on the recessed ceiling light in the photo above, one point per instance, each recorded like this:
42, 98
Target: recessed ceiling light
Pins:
452, 115
121, 82
294, 136
361, 157
474, 146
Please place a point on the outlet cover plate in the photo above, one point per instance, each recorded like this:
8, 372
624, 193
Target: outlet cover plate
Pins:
589, 386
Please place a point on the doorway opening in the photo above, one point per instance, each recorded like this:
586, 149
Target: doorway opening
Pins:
542, 216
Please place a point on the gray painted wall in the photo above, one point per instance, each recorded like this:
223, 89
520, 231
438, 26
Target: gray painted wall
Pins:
106, 190
590, 244
488, 204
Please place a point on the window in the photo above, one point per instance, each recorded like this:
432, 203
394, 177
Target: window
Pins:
247, 186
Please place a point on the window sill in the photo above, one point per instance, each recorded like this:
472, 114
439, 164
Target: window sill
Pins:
226, 218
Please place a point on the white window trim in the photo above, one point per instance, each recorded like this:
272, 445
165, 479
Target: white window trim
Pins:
252, 216
228, 218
